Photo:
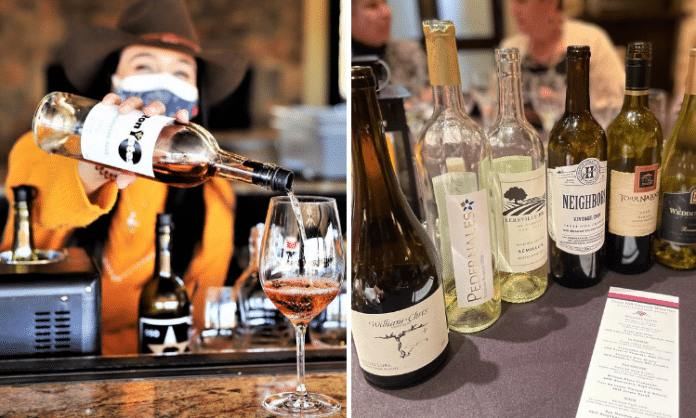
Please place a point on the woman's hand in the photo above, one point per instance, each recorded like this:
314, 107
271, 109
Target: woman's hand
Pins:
93, 176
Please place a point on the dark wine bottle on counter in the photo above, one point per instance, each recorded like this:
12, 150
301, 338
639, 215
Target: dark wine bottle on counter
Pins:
577, 178
398, 317
23, 238
675, 245
634, 146
155, 147
164, 308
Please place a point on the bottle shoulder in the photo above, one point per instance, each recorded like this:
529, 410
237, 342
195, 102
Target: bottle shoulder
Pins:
514, 138
163, 288
632, 120
451, 121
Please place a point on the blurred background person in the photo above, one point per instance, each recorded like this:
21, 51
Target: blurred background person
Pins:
544, 34
371, 22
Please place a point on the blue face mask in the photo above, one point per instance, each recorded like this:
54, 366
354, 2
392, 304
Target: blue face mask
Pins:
173, 92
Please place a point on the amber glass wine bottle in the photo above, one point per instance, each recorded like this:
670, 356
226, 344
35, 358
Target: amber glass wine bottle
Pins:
675, 245
634, 145
398, 317
164, 308
156, 147
453, 160
577, 179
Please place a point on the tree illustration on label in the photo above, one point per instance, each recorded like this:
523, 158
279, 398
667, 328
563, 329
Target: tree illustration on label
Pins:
516, 204
516, 194
170, 344
406, 345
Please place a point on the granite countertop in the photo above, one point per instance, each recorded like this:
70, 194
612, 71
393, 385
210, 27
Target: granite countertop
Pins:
203, 396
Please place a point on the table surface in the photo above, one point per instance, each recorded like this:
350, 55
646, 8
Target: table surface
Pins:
201, 396
533, 361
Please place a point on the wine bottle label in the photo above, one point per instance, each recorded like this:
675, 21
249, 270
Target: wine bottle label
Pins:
126, 141
633, 201
678, 224
401, 342
452, 183
577, 206
523, 232
472, 259
162, 336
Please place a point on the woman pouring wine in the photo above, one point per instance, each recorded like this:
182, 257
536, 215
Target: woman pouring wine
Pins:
151, 61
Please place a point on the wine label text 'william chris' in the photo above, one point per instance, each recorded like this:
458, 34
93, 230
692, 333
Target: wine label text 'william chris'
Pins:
401, 342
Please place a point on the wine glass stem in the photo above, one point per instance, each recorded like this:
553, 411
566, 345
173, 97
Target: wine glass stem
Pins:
300, 330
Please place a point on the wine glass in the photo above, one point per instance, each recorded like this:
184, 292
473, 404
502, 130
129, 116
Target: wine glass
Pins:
484, 91
605, 104
548, 93
302, 266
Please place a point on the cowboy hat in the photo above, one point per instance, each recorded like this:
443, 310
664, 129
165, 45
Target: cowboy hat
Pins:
160, 23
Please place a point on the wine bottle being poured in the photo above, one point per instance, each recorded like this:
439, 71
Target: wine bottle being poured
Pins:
156, 147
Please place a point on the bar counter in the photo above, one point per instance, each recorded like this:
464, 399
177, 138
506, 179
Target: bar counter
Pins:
190, 385
533, 361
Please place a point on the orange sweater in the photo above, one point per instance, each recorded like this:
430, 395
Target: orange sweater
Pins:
62, 206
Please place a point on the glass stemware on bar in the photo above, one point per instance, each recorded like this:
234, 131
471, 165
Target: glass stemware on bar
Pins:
302, 266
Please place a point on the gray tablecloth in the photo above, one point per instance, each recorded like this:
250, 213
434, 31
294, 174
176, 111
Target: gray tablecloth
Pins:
533, 361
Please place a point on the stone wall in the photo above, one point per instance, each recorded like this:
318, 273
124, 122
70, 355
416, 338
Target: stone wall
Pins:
31, 31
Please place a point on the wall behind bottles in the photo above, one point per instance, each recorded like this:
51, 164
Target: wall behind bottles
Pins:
270, 32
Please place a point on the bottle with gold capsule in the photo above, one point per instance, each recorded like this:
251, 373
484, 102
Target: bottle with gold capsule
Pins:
453, 158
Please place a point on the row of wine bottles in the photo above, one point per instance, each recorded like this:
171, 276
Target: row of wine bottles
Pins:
613, 202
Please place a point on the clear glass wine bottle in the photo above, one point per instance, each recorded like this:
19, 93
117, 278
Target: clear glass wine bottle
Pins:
518, 181
453, 158
155, 147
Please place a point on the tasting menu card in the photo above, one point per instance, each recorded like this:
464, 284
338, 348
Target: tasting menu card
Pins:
634, 371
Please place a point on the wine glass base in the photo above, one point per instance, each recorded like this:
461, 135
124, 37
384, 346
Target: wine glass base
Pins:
293, 405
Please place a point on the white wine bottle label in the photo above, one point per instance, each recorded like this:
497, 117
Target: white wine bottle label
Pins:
401, 342
678, 224
162, 336
577, 206
471, 248
452, 183
522, 246
126, 141
633, 201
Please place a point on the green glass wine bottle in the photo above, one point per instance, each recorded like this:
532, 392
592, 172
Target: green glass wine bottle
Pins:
577, 178
675, 245
634, 146
398, 317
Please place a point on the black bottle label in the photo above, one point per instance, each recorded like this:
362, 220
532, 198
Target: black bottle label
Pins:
164, 336
679, 217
